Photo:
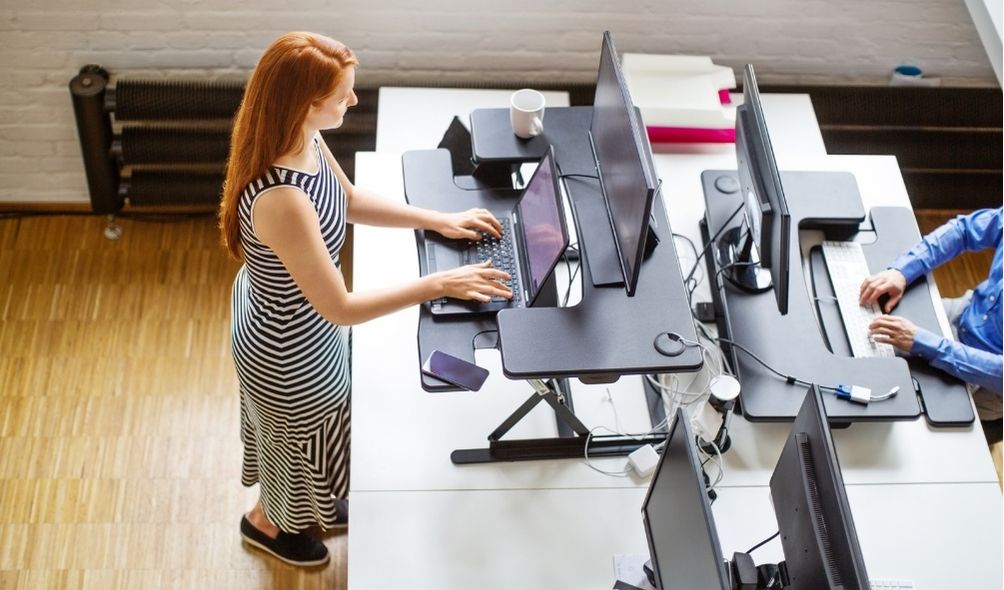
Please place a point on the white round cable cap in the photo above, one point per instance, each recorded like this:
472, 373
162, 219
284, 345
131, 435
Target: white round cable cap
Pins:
725, 388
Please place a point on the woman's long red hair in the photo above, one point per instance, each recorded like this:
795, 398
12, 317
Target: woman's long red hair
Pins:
296, 70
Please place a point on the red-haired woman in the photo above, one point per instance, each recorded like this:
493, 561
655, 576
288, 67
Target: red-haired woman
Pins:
285, 204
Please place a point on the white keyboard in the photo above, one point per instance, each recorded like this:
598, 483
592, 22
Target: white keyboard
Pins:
847, 267
890, 584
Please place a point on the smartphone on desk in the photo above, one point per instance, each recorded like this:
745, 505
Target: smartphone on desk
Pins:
454, 370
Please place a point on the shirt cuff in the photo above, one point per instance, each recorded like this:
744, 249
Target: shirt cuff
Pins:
926, 344
910, 265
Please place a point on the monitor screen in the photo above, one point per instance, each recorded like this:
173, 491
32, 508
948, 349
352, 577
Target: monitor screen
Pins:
625, 173
813, 515
682, 538
545, 235
767, 215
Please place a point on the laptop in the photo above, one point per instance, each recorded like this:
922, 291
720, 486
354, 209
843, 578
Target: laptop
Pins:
534, 236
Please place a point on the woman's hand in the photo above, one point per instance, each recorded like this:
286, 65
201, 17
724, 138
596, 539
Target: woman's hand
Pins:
474, 281
889, 282
468, 225
894, 330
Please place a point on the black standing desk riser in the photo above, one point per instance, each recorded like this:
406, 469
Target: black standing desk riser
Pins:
814, 349
607, 334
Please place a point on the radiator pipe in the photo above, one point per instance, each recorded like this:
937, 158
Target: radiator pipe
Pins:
94, 128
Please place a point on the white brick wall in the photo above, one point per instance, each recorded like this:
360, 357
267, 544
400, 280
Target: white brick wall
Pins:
43, 43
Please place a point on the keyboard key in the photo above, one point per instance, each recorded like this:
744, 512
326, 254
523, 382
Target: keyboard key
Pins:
847, 267
500, 252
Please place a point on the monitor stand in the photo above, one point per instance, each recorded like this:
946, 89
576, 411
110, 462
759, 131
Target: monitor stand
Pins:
573, 435
606, 269
741, 262
745, 575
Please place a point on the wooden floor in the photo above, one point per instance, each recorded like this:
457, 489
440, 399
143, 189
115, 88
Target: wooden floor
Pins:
119, 440
119, 446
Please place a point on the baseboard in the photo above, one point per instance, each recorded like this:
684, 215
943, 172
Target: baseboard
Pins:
78, 208
46, 207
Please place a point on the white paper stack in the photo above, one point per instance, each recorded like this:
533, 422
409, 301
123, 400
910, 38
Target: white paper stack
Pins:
682, 98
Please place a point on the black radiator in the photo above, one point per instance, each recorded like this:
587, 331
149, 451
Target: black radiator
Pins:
153, 142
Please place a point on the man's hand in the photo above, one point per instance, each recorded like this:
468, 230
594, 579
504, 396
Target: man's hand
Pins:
889, 282
468, 225
897, 331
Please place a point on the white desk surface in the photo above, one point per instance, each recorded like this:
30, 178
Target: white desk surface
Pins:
416, 118
402, 435
925, 500
937, 535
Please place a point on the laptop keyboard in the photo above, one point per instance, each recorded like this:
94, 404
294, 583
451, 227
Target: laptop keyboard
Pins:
502, 255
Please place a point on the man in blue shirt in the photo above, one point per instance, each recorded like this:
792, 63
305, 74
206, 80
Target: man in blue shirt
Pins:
975, 317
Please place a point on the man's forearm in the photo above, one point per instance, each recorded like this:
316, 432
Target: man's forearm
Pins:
968, 363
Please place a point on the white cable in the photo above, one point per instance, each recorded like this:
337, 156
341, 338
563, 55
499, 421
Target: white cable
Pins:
686, 396
589, 437
638, 437
696, 263
613, 406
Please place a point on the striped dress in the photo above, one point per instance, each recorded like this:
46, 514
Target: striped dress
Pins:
293, 367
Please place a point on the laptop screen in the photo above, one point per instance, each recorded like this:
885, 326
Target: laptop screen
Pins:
544, 234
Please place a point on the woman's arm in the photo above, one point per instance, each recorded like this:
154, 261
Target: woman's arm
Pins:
368, 208
285, 221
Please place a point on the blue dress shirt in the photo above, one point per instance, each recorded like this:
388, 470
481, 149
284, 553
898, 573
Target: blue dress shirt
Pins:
976, 357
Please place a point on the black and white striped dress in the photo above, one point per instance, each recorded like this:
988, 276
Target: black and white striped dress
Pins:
293, 367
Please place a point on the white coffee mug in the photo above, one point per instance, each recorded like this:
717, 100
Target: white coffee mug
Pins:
526, 113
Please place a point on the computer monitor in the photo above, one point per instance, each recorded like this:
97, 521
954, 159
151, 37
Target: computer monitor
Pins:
682, 538
623, 163
813, 515
758, 257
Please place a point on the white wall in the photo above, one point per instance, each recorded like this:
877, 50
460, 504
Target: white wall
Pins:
44, 42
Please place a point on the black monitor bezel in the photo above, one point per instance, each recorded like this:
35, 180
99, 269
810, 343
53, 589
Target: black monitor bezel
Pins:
761, 175
630, 267
803, 548
521, 236
682, 420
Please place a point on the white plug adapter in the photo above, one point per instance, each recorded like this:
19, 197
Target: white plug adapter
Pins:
643, 460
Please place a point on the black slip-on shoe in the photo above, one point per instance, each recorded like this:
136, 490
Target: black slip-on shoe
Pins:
296, 549
341, 515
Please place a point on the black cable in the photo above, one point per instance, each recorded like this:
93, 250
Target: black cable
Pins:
762, 543
730, 266
573, 175
571, 279
712, 240
789, 378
